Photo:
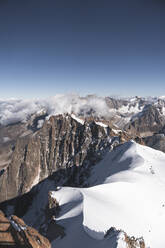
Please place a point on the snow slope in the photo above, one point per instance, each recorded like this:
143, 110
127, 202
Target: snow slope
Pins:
128, 194
71, 217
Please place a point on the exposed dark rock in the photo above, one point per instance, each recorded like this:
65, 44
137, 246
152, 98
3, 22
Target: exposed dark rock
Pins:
53, 207
146, 123
15, 233
133, 242
130, 242
156, 141
61, 143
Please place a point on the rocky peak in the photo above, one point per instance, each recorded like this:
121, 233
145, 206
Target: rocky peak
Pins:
62, 142
146, 123
15, 233
124, 240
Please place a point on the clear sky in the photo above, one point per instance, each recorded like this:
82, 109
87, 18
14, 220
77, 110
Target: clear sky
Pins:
107, 47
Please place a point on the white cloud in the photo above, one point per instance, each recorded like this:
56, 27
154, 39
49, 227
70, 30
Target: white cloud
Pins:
12, 111
15, 110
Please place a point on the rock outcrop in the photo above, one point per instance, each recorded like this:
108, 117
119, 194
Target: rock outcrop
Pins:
61, 143
133, 242
156, 141
15, 233
126, 240
146, 123
29, 152
53, 206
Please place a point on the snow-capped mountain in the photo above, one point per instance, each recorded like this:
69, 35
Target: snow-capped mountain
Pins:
85, 143
120, 112
125, 198
34, 143
129, 195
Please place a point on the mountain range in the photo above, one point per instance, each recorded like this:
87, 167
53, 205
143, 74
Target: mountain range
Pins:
87, 169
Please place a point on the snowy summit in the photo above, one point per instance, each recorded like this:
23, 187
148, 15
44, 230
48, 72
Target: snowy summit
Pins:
127, 193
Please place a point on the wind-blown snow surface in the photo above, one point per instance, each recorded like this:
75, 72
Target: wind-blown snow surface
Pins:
129, 194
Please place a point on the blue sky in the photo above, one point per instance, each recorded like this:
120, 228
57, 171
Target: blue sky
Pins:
104, 47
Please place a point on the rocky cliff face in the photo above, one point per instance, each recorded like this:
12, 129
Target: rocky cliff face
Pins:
30, 152
146, 123
15, 233
61, 143
156, 141
62, 149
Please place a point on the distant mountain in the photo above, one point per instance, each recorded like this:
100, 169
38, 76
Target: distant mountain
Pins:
35, 147
84, 142
120, 112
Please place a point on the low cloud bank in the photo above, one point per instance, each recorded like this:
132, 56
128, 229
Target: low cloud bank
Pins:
12, 111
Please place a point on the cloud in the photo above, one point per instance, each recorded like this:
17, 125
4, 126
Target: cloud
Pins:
12, 111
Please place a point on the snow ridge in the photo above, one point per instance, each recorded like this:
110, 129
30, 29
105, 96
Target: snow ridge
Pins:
129, 197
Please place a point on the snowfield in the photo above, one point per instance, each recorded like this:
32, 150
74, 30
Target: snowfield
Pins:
127, 192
